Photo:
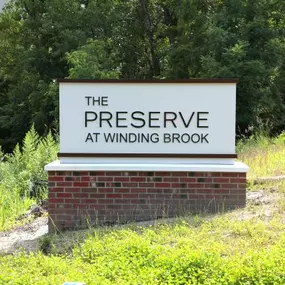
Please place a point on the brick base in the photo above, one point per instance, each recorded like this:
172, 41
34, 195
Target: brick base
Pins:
79, 199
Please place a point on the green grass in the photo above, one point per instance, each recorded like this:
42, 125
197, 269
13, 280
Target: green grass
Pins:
263, 155
241, 247
194, 250
11, 206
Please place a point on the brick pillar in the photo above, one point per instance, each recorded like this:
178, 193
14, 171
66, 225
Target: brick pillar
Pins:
78, 199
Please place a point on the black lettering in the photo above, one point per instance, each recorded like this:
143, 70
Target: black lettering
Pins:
89, 137
96, 136
166, 138
88, 99
138, 119
185, 138
104, 101
201, 119
145, 137
106, 119
154, 138
109, 137
197, 138
120, 119
204, 137
88, 119
166, 119
123, 137
175, 136
132, 138
186, 125
152, 119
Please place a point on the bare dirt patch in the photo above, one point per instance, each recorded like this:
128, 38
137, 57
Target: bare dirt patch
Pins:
25, 237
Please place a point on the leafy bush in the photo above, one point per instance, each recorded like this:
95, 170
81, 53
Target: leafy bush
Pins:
22, 175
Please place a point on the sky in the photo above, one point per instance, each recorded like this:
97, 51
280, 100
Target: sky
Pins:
2, 3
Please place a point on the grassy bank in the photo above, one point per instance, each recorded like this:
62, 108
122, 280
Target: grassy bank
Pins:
265, 156
225, 249
241, 247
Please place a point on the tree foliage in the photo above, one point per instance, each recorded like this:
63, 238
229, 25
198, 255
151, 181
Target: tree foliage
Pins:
41, 40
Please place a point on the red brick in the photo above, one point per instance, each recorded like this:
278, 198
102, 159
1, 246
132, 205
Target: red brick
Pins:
162, 185
229, 174
238, 180
180, 174
188, 179
129, 196
129, 184
105, 179
56, 189
121, 190
63, 184
161, 174
148, 185
199, 174
90, 201
97, 173
55, 200
172, 179
146, 194
195, 185
80, 195
80, 184
56, 178
138, 179
71, 190
230, 186
137, 190
113, 195
122, 201
178, 185
97, 207
105, 190
154, 190
72, 201
131, 173
113, 173
114, 206
97, 196
205, 191
242, 186
221, 180
213, 174
64, 195
51, 173
80, 173
121, 179
88, 178
106, 201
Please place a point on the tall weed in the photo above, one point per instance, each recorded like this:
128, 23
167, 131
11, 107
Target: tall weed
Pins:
264, 155
22, 175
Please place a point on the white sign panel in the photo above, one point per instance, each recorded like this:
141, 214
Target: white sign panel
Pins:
147, 118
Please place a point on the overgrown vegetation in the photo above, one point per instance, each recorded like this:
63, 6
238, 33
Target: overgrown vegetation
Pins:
23, 180
242, 247
196, 250
264, 155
